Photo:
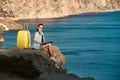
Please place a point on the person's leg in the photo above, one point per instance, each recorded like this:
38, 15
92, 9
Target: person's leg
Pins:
49, 47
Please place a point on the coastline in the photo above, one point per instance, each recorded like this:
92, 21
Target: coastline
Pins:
20, 19
107, 35
40, 9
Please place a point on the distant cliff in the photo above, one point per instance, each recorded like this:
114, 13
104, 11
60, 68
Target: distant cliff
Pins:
21, 9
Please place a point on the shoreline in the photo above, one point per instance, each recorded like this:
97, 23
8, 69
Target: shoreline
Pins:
21, 19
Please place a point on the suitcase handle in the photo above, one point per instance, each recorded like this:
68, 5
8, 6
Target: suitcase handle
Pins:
25, 27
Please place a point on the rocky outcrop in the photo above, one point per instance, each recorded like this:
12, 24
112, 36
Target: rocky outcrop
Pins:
26, 52
40, 59
1, 39
21, 9
7, 24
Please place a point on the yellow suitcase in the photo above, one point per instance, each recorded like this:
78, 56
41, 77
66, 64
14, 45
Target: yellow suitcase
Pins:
23, 39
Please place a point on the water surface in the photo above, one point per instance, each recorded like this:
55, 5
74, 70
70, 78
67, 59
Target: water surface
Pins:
90, 42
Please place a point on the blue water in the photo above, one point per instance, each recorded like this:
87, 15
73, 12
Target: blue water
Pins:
90, 42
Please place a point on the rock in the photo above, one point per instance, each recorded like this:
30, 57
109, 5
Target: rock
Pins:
40, 59
1, 40
3, 27
7, 77
35, 54
54, 76
7, 24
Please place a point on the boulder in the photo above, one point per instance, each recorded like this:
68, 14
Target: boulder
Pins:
41, 61
1, 39
7, 24
3, 27
34, 54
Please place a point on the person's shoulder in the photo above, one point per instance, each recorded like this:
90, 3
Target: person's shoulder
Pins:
36, 32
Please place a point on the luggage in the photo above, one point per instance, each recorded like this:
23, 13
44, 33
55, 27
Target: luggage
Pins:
23, 39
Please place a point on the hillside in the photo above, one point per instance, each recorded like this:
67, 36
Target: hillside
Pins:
21, 9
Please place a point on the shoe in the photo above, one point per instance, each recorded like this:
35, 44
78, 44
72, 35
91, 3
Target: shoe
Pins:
57, 66
53, 58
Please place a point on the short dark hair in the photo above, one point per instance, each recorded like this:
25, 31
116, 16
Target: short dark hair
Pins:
39, 25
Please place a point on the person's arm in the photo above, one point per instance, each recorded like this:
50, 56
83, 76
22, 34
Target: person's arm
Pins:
36, 39
37, 42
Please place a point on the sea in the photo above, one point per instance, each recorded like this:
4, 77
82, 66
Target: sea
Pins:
90, 42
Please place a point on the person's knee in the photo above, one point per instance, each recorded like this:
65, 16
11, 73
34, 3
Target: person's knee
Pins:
49, 44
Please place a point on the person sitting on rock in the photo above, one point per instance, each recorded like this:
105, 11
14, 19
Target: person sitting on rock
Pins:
39, 39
